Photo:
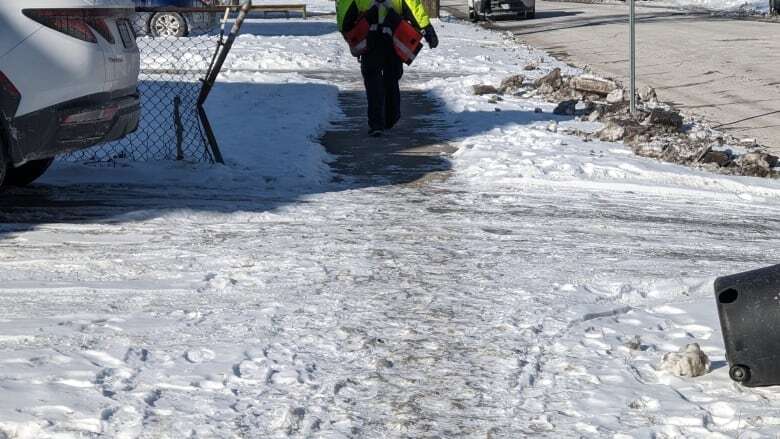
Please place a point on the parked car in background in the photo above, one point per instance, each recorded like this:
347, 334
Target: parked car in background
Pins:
491, 9
170, 23
68, 80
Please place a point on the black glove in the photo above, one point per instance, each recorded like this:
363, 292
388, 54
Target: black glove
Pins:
430, 36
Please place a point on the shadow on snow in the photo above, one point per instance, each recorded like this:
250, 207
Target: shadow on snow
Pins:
407, 154
289, 28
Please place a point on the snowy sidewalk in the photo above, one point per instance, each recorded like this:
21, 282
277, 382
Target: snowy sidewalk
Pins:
295, 293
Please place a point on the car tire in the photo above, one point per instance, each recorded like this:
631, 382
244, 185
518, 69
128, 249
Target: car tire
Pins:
27, 173
530, 14
168, 24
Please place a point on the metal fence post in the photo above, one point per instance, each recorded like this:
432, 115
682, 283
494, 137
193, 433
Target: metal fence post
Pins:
632, 50
211, 78
179, 128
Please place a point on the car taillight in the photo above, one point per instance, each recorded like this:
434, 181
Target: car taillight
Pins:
69, 22
100, 25
79, 23
8, 87
9, 97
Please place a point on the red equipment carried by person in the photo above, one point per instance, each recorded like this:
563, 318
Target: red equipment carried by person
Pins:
357, 38
407, 41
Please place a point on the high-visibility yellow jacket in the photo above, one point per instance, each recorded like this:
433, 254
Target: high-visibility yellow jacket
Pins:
347, 12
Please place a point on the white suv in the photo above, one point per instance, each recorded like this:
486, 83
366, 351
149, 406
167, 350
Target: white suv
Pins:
68, 80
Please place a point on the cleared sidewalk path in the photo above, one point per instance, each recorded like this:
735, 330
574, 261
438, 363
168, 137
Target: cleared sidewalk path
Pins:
413, 150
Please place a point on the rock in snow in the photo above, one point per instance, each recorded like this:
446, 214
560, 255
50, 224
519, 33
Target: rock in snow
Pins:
756, 163
482, 89
612, 132
647, 94
512, 84
689, 361
601, 87
720, 158
566, 108
616, 96
552, 80
668, 119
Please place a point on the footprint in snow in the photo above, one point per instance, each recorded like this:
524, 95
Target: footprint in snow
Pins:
136, 356
217, 282
253, 370
152, 397
286, 377
114, 380
199, 355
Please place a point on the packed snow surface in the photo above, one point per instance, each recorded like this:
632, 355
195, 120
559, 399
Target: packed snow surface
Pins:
533, 293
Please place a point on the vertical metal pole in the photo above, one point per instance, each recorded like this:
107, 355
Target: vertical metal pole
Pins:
632, 50
211, 78
179, 128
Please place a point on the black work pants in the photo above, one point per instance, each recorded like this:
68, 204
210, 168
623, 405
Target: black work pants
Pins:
382, 69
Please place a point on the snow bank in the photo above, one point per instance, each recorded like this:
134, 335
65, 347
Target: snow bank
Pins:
520, 142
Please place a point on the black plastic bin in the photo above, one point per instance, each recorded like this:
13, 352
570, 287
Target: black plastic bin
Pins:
749, 310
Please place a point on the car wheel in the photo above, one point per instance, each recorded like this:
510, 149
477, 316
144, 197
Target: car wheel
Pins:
27, 173
168, 24
531, 13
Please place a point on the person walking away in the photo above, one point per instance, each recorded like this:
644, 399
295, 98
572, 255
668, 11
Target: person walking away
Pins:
376, 31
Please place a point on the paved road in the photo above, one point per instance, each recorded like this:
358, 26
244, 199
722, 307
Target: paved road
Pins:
722, 69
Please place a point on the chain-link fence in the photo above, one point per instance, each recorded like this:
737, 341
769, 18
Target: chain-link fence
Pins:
173, 70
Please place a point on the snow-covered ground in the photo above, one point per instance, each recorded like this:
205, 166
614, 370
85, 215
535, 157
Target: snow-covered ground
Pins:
531, 294
722, 5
